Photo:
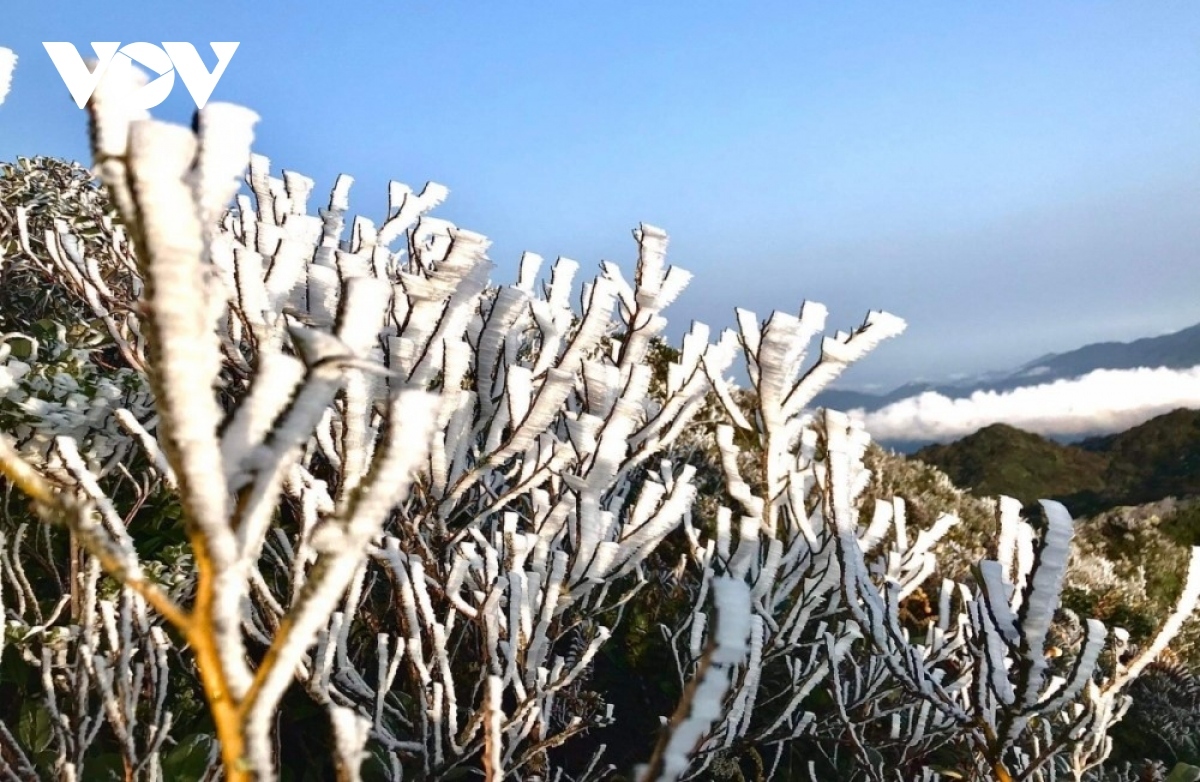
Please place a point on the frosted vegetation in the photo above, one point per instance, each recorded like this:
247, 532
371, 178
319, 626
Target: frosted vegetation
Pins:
280, 455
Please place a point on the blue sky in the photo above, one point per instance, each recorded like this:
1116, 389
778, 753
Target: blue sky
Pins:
1012, 179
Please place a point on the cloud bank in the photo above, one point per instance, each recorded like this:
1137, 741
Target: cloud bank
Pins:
1100, 402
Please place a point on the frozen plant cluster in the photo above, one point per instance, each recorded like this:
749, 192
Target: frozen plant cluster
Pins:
55, 390
428, 502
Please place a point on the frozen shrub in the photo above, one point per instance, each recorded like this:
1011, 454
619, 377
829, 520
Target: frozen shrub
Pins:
1165, 714
426, 501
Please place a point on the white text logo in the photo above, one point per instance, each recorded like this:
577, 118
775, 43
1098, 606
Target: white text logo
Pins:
178, 57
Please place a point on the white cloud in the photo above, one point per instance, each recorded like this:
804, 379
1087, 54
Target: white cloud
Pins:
8, 61
1107, 400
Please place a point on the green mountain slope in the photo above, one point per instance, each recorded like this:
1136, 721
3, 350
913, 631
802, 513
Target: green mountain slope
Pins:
1154, 460
1157, 459
1002, 459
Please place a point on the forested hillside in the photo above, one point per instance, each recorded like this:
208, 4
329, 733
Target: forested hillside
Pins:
1152, 461
1002, 459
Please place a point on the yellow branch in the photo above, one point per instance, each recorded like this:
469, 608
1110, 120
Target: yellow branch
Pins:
24, 476
54, 506
226, 711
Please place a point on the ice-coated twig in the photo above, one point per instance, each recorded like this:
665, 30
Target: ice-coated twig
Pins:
703, 701
1185, 607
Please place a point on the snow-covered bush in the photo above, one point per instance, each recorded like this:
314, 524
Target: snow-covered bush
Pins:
428, 500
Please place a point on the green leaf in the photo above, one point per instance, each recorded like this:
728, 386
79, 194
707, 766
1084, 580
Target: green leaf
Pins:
188, 759
21, 347
33, 726
1184, 773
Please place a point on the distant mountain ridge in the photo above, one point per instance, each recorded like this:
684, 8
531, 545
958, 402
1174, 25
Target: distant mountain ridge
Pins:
1149, 462
1178, 350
